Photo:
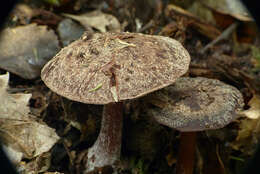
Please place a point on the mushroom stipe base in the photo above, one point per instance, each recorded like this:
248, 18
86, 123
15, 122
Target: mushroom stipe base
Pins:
106, 150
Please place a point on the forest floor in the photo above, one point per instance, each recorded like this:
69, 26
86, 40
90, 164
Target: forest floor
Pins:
44, 132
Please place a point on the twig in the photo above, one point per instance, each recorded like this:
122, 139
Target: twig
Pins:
224, 35
146, 26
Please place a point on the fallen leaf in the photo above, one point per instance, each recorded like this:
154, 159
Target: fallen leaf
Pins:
254, 111
18, 129
98, 20
25, 49
39, 164
12, 105
22, 13
249, 128
69, 31
248, 135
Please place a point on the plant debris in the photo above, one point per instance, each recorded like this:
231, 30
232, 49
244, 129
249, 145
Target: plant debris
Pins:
98, 20
25, 49
220, 36
20, 131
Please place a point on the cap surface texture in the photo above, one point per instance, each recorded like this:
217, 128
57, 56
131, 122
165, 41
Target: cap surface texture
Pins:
196, 104
111, 67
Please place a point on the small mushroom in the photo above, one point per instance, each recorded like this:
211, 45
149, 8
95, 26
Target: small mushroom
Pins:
194, 104
109, 68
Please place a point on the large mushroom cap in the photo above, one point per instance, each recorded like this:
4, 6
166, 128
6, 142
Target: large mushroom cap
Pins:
196, 104
111, 67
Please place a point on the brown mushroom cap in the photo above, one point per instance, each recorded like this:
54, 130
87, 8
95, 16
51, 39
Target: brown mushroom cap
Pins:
196, 104
111, 67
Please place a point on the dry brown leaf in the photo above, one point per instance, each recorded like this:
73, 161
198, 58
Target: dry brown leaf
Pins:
248, 135
249, 128
22, 13
37, 165
18, 129
98, 20
12, 105
254, 111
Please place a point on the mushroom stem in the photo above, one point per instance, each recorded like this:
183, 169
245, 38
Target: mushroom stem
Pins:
186, 154
106, 150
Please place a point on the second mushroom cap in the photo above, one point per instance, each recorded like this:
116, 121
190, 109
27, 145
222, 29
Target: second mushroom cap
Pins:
196, 104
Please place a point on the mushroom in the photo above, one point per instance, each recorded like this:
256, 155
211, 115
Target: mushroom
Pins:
191, 105
109, 68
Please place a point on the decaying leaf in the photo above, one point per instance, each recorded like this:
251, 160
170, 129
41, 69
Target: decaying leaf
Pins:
18, 129
69, 31
38, 165
254, 111
98, 20
12, 105
248, 135
25, 49
22, 13
249, 128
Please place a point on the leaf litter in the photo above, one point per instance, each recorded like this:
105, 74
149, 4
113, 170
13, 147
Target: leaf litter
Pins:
25, 49
225, 60
101, 21
20, 131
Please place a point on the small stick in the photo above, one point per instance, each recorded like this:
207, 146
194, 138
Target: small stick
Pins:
146, 26
224, 35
